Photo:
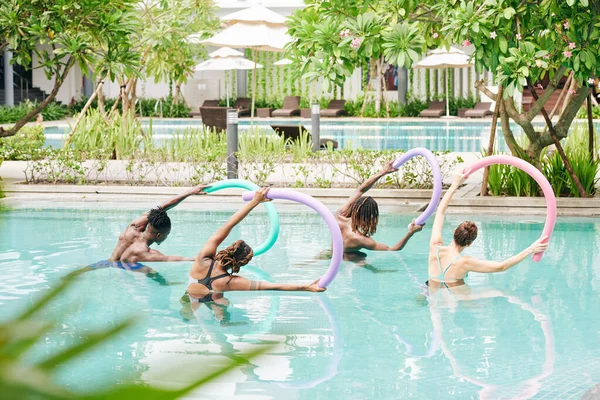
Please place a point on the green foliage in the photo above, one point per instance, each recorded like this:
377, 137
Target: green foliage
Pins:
19, 147
21, 379
582, 113
528, 47
122, 138
331, 39
52, 112
164, 37
511, 181
144, 107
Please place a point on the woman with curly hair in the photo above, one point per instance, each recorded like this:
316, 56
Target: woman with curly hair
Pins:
358, 219
213, 272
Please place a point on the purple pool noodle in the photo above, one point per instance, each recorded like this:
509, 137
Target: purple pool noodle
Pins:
437, 179
336, 235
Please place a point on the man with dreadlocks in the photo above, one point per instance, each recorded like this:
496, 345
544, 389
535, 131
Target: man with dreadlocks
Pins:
358, 219
133, 246
212, 272
149, 228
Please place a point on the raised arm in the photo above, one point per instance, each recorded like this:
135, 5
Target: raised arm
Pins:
210, 248
241, 283
371, 244
364, 188
440, 214
484, 266
140, 222
171, 203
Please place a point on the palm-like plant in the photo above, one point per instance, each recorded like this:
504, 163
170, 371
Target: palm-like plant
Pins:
21, 380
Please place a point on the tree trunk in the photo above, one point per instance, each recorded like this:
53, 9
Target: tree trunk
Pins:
368, 89
387, 104
82, 113
590, 127
60, 78
490, 149
101, 100
572, 87
559, 148
509, 138
132, 94
378, 92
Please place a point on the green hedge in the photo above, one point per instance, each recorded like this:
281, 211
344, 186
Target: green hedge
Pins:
52, 112
146, 106
412, 108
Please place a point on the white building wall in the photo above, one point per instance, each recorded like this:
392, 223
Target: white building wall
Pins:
72, 88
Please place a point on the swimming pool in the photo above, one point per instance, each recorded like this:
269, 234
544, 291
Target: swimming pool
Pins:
457, 136
533, 333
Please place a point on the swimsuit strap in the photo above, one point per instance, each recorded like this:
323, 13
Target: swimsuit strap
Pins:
449, 265
437, 254
208, 280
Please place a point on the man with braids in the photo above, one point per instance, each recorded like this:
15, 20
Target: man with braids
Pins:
212, 272
133, 246
358, 219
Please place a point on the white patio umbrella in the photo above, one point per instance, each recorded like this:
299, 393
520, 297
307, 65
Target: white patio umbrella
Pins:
256, 28
282, 62
226, 59
443, 58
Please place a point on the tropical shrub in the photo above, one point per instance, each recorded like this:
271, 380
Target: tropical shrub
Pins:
20, 146
22, 379
53, 112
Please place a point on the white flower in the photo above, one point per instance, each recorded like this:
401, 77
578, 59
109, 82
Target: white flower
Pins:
591, 81
493, 34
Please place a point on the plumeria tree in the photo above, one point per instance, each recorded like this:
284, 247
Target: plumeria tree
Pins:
523, 42
332, 38
63, 33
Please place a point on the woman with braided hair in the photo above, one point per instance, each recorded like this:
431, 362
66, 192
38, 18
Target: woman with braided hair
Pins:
212, 272
358, 219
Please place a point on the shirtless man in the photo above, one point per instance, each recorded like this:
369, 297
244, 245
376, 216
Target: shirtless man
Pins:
134, 243
358, 219
149, 228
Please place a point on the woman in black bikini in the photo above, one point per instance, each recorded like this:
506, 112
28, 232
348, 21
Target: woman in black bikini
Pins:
212, 272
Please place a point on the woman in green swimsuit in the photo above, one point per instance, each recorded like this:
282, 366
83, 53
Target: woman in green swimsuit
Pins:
447, 267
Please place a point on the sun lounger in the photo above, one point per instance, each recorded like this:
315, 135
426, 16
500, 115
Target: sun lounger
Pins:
243, 105
210, 103
334, 109
480, 110
291, 107
436, 109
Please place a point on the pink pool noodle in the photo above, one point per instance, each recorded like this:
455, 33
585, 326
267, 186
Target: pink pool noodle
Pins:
535, 174
336, 235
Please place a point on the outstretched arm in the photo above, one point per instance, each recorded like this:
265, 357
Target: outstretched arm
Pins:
140, 222
440, 214
240, 283
210, 248
171, 203
484, 266
371, 244
364, 188
157, 256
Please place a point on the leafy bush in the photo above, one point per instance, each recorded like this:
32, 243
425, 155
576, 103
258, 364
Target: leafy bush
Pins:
52, 112
20, 146
143, 107
36, 380
582, 113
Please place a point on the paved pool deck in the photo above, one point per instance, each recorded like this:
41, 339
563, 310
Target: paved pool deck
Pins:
466, 200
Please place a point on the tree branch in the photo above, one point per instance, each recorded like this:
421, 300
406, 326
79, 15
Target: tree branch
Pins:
479, 85
539, 104
60, 78
559, 147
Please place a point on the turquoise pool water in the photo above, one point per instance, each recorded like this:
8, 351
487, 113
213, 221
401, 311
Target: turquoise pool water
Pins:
532, 332
437, 135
